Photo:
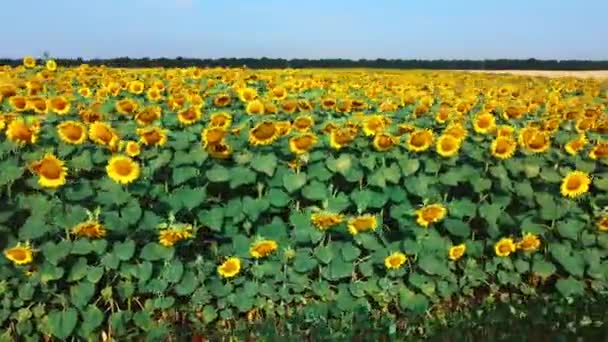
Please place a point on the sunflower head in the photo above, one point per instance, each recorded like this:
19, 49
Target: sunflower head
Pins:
122, 169
29, 61
136, 87
302, 143
599, 151
19, 103
503, 147
484, 123
602, 223
72, 132
91, 229
289, 105
222, 100
171, 234
21, 132
328, 103
264, 133
429, 214
373, 125
220, 120
212, 136
504, 247
103, 134
362, 223
395, 260
279, 93
575, 184
229, 268
448, 145
21, 254
152, 136
38, 104
456, 252
132, 148
50, 170
220, 150
324, 220
127, 106
303, 123
341, 137
384, 141
575, 145
148, 115
262, 248
420, 140
189, 115
255, 107
529, 243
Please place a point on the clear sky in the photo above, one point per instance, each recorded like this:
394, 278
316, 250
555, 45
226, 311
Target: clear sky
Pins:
424, 29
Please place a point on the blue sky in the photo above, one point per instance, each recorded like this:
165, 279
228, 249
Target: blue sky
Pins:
425, 29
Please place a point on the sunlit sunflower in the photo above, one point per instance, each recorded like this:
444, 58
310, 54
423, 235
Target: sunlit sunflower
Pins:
304, 105
132, 148
50, 170
289, 106
328, 103
575, 145
148, 115
539, 142
222, 100
152, 136
136, 87
220, 120
127, 106
174, 233
21, 132
59, 105
303, 123
212, 136
91, 229
505, 130
262, 248
599, 151
72, 132
405, 128
395, 260
283, 127
255, 107
264, 133
429, 214
38, 104
362, 223
21, 254
484, 123
302, 143
190, 115
279, 93
122, 169
504, 247
529, 243
448, 146
29, 61
269, 108
220, 150
324, 220
602, 224
420, 140
584, 124
575, 184
384, 141
248, 94
503, 147
85, 92
19, 103
103, 134
229, 268
154, 94
456, 252
373, 125
341, 137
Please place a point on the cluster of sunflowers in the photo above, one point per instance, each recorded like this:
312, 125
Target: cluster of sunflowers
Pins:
421, 135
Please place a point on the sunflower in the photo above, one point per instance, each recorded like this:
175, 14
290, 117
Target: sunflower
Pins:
340, 137
429, 214
220, 150
132, 148
405, 128
248, 94
85, 92
279, 93
122, 169
59, 105
529, 243
538, 142
420, 140
174, 233
51, 65
584, 124
505, 131
189, 115
599, 151
262, 248
302, 143
324, 220
303, 123
255, 107
38, 104
29, 61
154, 94
50, 170
7, 90
362, 223
395, 260
264, 133
358, 104
384, 141
289, 106
447, 146
373, 125
220, 120
21, 254
21, 132
103, 134
504, 247
575, 145
456, 252
304, 105
91, 229
148, 115
484, 123
269, 108
72, 132
222, 100
329, 127
503, 147
19, 103
152, 136
136, 87
442, 116
126, 106
230, 268
212, 136
283, 128
602, 224
575, 184
328, 103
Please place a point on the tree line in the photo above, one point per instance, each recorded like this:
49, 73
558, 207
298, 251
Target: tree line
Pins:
272, 63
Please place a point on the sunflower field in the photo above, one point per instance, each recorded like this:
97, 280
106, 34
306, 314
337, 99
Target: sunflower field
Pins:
142, 202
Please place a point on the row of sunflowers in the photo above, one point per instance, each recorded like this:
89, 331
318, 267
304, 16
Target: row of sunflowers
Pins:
136, 199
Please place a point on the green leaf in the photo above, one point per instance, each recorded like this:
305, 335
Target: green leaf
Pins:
339, 269
264, 163
457, 227
82, 293
409, 300
324, 254
278, 198
188, 197
315, 191
154, 251
124, 250
543, 268
350, 252
342, 164
462, 208
55, 252
11, 171
409, 166
433, 265
570, 229
62, 323
213, 218
187, 285
218, 174
294, 181
304, 262
241, 176
92, 318
481, 184
570, 287
78, 270
209, 314
183, 174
